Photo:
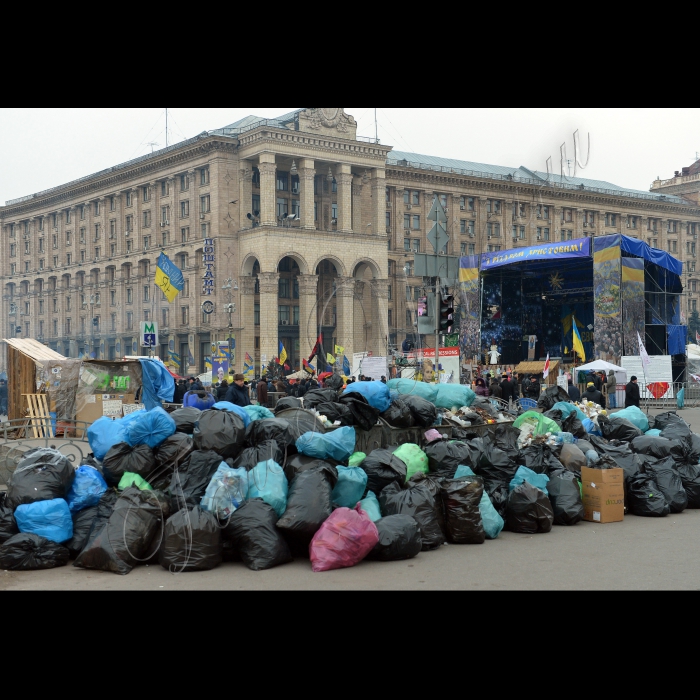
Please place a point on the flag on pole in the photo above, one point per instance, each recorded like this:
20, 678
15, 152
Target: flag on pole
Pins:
696, 378
643, 352
283, 354
330, 359
578, 343
346, 366
317, 348
248, 359
545, 374
169, 277
308, 367
339, 350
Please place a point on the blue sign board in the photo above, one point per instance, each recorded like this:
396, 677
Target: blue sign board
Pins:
580, 248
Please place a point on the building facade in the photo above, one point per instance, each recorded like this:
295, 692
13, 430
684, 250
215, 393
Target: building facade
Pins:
291, 227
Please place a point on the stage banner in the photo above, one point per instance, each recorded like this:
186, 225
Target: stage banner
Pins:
633, 311
606, 299
470, 303
580, 248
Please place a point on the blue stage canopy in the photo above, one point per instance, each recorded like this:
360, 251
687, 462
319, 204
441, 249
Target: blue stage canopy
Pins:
652, 255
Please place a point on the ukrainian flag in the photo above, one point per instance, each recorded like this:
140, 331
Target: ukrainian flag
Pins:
578, 344
169, 277
283, 354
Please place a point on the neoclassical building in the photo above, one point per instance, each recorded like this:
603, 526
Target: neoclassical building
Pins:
284, 228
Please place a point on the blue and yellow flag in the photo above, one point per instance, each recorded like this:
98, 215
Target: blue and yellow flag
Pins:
578, 344
283, 354
169, 277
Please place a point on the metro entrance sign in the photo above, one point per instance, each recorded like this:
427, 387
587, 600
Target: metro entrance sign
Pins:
149, 334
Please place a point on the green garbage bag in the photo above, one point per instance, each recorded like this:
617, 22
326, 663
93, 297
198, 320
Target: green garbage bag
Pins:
414, 458
129, 480
370, 505
357, 459
541, 423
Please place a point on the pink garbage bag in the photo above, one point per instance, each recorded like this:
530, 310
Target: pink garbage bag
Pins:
344, 540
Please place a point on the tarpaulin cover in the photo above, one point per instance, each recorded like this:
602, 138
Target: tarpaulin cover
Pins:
29, 552
376, 393
50, 519
642, 250
158, 384
86, 490
454, 395
408, 387
232, 408
338, 444
150, 428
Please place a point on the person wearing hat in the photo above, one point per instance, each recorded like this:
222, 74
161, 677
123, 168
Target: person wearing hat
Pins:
238, 393
532, 389
611, 386
592, 394
632, 393
573, 391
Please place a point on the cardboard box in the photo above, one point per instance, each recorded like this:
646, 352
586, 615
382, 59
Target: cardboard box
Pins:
603, 503
603, 476
95, 408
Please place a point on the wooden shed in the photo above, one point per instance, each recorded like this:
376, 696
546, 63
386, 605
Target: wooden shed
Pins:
23, 357
535, 367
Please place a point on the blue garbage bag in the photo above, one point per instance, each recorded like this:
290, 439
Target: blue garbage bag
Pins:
226, 492
158, 384
588, 425
267, 481
150, 428
653, 433
567, 409
87, 489
351, 486
413, 388
680, 398
451, 395
539, 481
493, 522
371, 506
634, 415
49, 519
376, 393
105, 433
338, 444
232, 408
258, 413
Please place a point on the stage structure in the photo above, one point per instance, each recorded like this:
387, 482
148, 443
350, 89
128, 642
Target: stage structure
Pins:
524, 301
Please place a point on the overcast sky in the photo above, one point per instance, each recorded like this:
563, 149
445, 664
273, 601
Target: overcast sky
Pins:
42, 148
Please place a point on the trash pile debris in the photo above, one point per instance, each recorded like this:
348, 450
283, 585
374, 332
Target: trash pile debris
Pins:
196, 488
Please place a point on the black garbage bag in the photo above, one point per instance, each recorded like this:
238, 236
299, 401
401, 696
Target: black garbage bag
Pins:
122, 458
573, 425
498, 493
192, 542
335, 382
529, 510
90, 461
551, 396
693, 447
301, 421
250, 457
444, 458
42, 475
690, 478
128, 537
277, 429
499, 458
85, 529
220, 431
434, 483
189, 483
669, 482
399, 415
619, 429
286, 403
483, 404
660, 448
399, 539
171, 453
29, 552
556, 415
424, 413
365, 416
316, 396
8, 524
565, 497
255, 538
539, 457
667, 420
460, 501
309, 505
419, 500
382, 469
645, 498
185, 419
296, 464
336, 413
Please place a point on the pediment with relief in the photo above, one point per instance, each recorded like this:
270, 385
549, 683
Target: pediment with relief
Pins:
329, 121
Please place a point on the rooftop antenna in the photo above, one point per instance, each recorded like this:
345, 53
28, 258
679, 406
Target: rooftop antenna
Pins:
376, 128
152, 144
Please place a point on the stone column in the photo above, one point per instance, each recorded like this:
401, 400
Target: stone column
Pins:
362, 315
357, 224
380, 308
308, 313
343, 177
455, 240
246, 314
557, 224
307, 173
268, 190
245, 184
345, 328
378, 200
269, 315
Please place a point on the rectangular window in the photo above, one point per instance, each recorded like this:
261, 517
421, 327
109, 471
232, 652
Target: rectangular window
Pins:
463, 249
129, 296
415, 197
146, 292
672, 227
146, 193
296, 208
146, 242
55, 328
463, 226
69, 259
97, 210
282, 181
416, 245
284, 288
389, 292
55, 260
407, 221
112, 203
184, 183
82, 212
204, 230
204, 176
416, 222
334, 212
567, 215
165, 215
283, 315
205, 205
97, 232
54, 239
406, 196
407, 244
113, 228
184, 209
690, 248
41, 225
611, 220
13, 269
256, 314
184, 235
55, 219
13, 250
692, 229
388, 220
147, 219
672, 246
164, 188
494, 248
130, 320
282, 208
97, 252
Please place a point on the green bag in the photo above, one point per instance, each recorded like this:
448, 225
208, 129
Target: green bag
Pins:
129, 480
541, 423
357, 459
414, 458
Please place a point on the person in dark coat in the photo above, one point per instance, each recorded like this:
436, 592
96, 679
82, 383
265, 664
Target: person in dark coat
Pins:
508, 389
262, 392
180, 391
592, 394
632, 393
303, 388
532, 389
495, 389
595, 378
573, 391
222, 390
238, 393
